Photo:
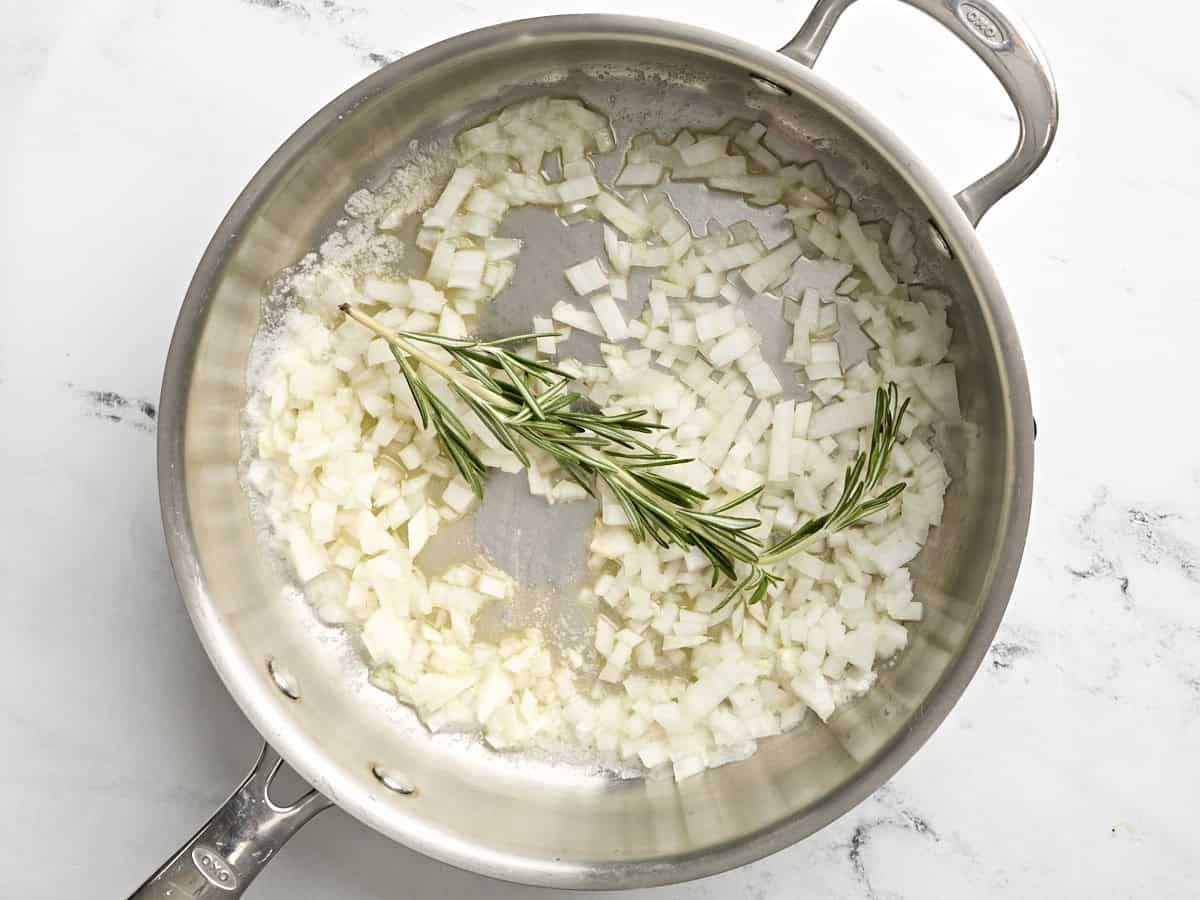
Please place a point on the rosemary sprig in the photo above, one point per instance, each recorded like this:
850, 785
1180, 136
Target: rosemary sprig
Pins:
857, 501
526, 402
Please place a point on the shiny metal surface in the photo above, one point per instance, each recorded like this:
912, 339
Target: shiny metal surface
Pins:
510, 817
1003, 42
232, 847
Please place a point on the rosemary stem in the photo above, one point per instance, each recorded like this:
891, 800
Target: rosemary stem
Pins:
772, 555
479, 391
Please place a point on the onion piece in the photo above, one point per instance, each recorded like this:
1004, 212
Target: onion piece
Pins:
660, 312
649, 256
715, 323
845, 415
762, 380
670, 288
609, 316
502, 248
486, 203
731, 257
780, 449
547, 345
620, 215
825, 385
704, 150
576, 318
586, 277
723, 166
750, 141
575, 189
708, 284
731, 347
619, 253
643, 174
455, 192
618, 286
866, 254
395, 293
466, 270
772, 267
717, 443
451, 324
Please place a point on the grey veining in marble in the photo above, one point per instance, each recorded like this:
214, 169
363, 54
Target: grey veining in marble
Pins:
1071, 767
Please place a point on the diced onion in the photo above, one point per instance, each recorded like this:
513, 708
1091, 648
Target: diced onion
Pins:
731, 347
621, 216
704, 150
576, 318
455, 193
772, 267
581, 188
587, 276
609, 315
644, 174
356, 486
732, 257
844, 415
782, 429
715, 323
466, 270
866, 254
502, 248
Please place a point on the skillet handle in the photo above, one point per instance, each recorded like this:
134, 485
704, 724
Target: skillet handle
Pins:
232, 847
1002, 41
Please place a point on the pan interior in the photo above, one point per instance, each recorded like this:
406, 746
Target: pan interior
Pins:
508, 815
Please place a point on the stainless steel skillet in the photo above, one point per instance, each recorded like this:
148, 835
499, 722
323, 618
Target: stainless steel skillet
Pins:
306, 690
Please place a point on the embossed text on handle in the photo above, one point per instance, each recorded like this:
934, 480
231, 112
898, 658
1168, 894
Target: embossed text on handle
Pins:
985, 27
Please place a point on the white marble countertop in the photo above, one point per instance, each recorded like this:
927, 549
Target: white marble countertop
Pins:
1071, 767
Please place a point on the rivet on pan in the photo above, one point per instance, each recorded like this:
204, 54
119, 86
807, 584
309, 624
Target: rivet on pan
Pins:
393, 780
284, 680
939, 240
769, 86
